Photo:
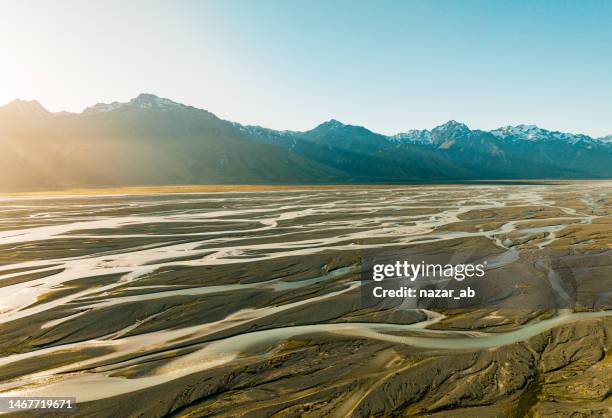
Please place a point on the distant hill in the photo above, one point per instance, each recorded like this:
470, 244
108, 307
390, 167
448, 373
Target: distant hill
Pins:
155, 141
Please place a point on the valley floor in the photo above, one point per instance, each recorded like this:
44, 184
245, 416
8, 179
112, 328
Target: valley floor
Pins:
247, 301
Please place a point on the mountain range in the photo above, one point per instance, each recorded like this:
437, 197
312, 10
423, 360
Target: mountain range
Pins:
155, 141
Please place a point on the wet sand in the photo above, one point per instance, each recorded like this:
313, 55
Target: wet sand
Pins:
197, 303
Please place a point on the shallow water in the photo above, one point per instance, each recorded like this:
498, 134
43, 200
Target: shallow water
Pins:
263, 227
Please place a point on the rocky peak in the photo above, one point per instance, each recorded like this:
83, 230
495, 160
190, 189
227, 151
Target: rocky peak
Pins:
27, 108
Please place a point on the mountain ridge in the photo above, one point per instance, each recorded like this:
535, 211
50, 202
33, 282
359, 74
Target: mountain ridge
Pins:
152, 101
155, 141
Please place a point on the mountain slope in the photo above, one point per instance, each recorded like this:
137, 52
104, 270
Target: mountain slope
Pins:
155, 141
523, 151
137, 144
363, 154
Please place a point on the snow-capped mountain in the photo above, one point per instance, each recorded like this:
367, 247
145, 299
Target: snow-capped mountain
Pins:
143, 101
509, 133
535, 133
607, 139
153, 140
450, 129
415, 136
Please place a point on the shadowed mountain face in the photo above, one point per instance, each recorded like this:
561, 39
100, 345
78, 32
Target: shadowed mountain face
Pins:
155, 141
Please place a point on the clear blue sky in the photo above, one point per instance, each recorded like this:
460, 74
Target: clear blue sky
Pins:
388, 65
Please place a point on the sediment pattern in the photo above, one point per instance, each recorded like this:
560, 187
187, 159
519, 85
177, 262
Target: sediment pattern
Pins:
248, 304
